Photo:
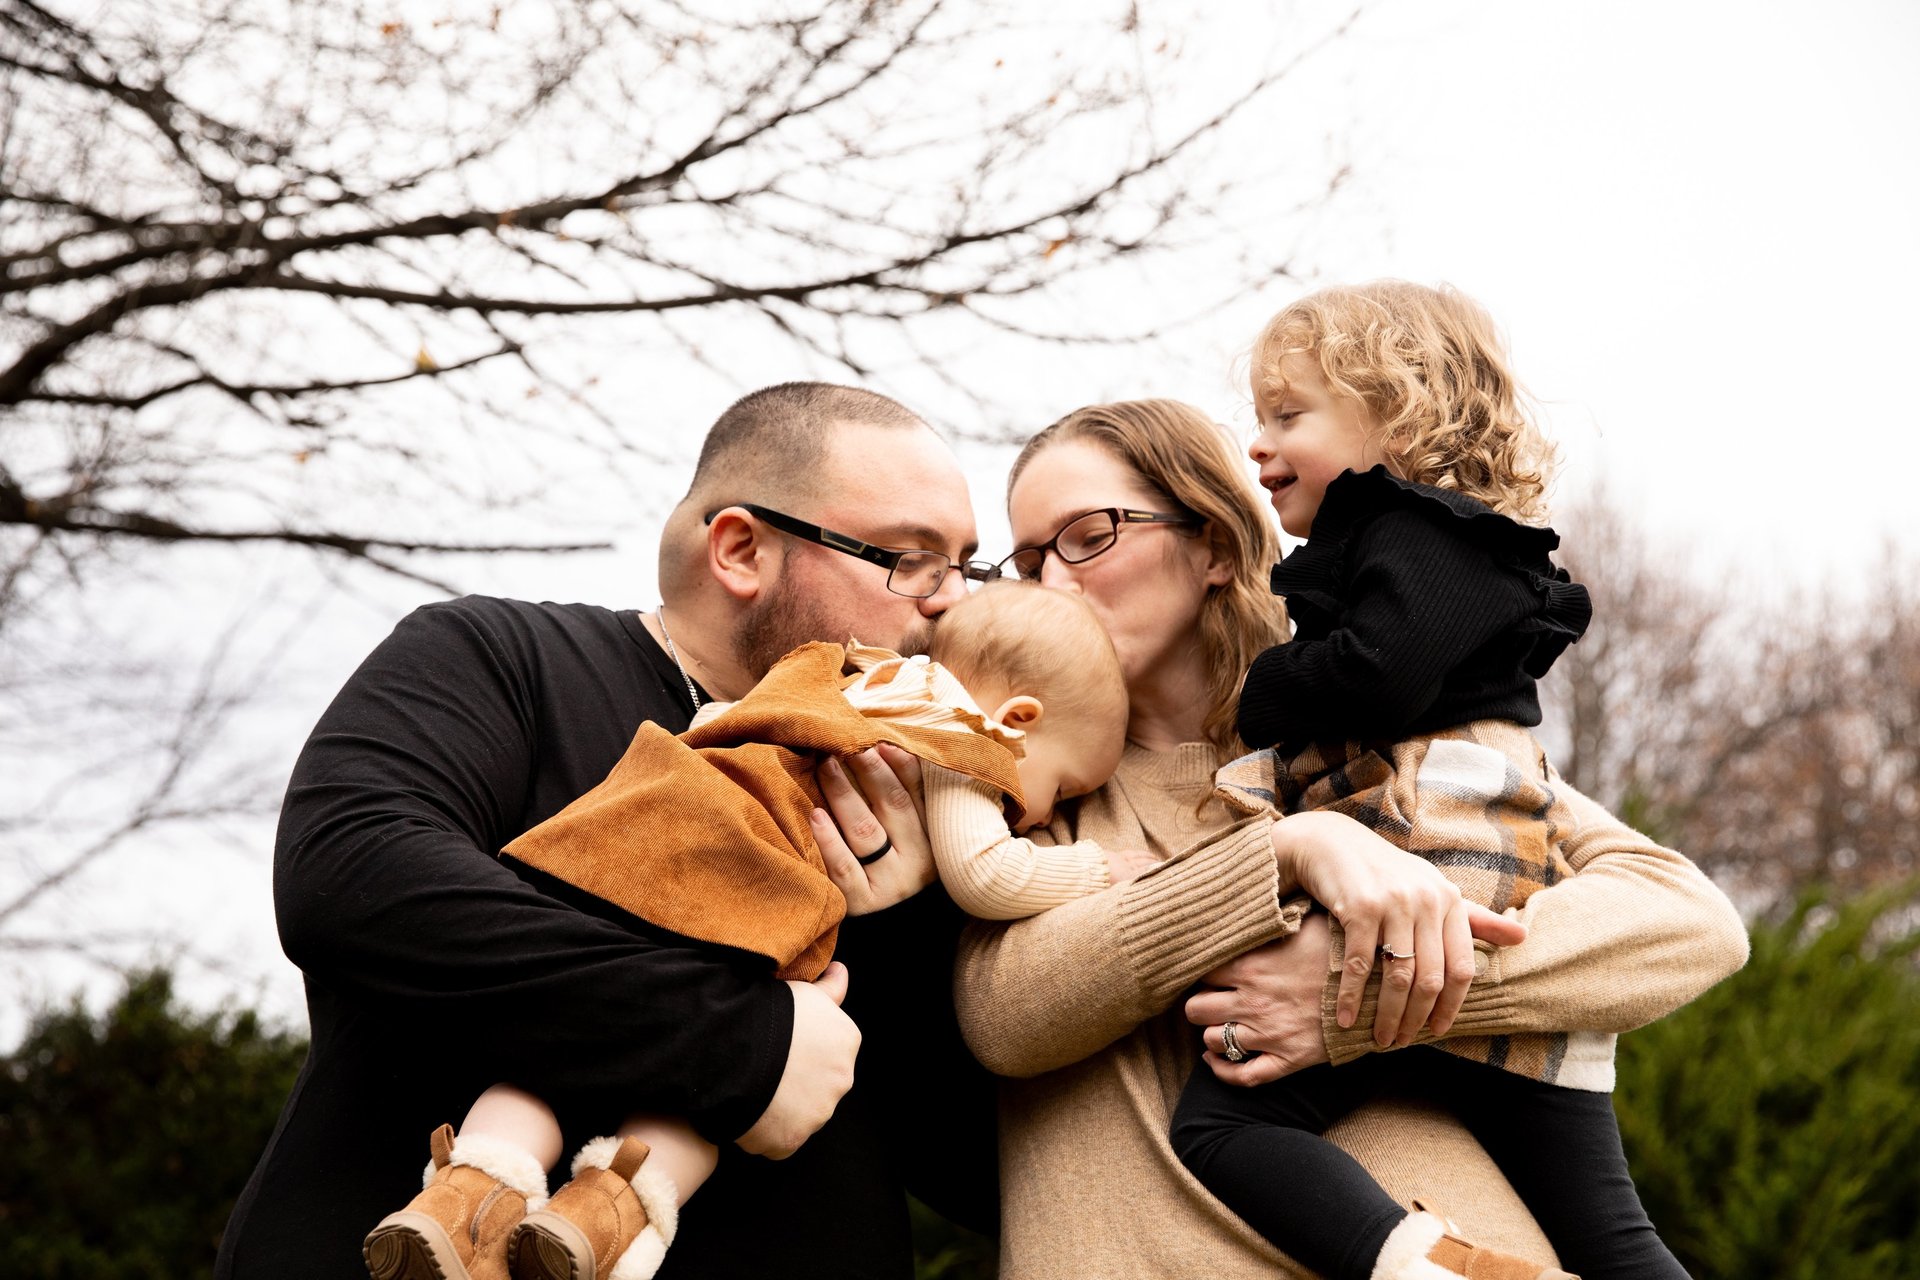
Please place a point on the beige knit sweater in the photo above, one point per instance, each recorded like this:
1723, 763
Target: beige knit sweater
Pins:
1081, 1004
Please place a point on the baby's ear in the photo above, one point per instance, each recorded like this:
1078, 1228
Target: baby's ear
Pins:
1020, 712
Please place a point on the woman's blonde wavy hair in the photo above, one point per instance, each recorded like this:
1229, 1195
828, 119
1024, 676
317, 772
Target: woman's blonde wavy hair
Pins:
1191, 463
1431, 368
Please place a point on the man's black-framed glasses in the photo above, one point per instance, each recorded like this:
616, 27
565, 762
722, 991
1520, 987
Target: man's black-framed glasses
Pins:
1082, 538
913, 573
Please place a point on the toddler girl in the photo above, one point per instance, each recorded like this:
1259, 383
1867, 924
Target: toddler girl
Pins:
1425, 608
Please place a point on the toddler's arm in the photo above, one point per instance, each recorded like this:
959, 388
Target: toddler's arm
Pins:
995, 875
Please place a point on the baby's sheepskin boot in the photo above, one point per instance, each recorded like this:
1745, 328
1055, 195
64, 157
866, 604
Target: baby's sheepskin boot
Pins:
1425, 1246
614, 1221
476, 1191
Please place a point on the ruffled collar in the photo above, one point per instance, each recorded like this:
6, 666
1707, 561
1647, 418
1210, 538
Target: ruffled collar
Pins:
917, 690
1313, 577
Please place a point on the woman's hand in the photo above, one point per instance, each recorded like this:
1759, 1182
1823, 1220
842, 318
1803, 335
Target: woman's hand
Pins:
1389, 901
875, 805
1272, 996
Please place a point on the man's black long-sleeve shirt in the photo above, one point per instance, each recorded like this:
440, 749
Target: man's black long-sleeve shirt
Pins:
434, 969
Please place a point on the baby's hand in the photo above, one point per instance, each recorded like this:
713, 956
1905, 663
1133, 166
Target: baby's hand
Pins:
1128, 864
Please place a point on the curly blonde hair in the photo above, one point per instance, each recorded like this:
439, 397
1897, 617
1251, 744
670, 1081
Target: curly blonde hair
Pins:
1432, 371
1181, 455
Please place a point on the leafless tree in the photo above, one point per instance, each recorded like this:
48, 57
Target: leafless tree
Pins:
397, 281
1775, 742
261, 258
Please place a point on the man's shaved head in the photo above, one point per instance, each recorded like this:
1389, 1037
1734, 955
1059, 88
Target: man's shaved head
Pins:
771, 446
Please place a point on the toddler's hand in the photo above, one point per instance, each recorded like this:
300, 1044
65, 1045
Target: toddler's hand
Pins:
1128, 864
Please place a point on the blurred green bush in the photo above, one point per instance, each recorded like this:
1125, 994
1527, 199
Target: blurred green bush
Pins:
1773, 1125
127, 1136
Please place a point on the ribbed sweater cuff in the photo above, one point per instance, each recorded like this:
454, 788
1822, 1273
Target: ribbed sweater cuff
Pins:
1203, 907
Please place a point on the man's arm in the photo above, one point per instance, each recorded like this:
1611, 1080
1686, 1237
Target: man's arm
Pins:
386, 884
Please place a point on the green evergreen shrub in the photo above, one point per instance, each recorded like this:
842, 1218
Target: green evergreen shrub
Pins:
1773, 1125
124, 1138
943, 1250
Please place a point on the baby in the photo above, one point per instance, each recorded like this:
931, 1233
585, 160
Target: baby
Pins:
1020, 704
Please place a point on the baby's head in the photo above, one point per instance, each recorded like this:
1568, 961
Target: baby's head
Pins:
1039, 661
1399, 373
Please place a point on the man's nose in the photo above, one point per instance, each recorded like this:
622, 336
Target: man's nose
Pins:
952, 590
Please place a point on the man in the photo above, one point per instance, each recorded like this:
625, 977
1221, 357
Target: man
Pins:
433, 969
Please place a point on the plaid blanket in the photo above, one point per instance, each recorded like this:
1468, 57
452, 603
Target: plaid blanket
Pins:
1478, 802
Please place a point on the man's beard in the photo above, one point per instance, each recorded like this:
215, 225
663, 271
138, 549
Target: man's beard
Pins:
789, 615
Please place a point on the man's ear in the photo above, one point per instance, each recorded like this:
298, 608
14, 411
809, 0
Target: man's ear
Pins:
1020, 712
738, 556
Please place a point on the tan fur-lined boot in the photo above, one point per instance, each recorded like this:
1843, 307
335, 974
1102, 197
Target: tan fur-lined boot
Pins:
614, 1221
476, 1190
1426, 1246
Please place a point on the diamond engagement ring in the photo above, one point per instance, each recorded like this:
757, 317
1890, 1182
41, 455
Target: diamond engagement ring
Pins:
1233, 1052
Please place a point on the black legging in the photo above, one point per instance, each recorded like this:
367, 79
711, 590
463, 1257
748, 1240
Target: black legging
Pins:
1260, 1152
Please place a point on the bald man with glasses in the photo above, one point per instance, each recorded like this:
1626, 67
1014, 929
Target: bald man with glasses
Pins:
435, 968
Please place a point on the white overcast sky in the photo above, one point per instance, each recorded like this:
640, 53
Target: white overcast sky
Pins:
1696, 222
1700, 225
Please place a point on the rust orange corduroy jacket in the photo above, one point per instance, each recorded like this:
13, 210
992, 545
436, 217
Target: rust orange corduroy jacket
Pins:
707, 833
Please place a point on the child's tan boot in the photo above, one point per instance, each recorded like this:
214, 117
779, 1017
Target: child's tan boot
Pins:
614, 1221
1426, 1246
476, 1191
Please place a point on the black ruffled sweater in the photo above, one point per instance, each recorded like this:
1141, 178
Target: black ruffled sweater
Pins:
1415, 609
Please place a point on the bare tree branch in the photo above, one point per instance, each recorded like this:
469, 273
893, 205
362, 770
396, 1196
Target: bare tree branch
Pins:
387, 289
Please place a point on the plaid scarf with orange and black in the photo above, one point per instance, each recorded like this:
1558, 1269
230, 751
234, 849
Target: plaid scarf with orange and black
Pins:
1478, 802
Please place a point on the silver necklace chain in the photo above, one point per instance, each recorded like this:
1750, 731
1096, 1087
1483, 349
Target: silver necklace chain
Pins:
692, 691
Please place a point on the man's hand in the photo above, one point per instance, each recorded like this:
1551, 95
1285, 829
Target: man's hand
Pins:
819, 1068
882, 811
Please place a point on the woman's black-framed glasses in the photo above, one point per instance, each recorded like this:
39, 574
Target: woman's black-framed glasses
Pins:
912, 573
1082, 538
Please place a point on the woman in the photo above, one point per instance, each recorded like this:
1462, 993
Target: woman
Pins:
1082, 1005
